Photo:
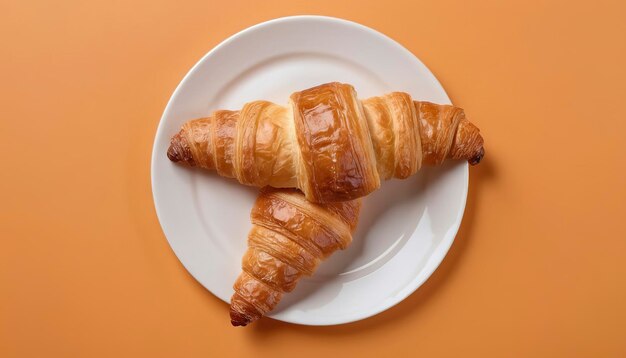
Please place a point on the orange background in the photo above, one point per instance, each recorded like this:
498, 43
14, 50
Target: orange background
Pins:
538, 267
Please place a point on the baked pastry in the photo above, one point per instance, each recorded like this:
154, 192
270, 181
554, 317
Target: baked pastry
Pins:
289, 238
327, 143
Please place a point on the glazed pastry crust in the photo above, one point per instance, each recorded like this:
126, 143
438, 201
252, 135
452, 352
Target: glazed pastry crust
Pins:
327, 143
289, 238
336, 151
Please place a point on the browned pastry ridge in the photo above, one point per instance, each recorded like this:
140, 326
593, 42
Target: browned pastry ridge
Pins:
289, 238
327, 143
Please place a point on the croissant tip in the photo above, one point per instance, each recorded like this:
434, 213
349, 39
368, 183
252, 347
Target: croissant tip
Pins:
478, 157
179, 150
237, 319
172, 154
238, 323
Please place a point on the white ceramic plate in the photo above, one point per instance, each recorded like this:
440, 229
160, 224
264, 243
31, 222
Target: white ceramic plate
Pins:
406, 227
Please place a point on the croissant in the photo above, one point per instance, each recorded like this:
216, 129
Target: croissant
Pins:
327, 143
289, 238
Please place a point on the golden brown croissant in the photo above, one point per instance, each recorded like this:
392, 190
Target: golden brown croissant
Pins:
327, 143
289, 238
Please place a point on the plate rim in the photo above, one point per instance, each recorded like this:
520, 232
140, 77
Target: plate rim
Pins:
412, 286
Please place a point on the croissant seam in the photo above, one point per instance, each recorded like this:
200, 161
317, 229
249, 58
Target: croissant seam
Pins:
319, 254
273, 288
268, 249
335, 222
